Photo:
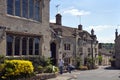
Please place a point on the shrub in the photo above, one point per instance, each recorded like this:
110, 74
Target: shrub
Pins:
17, 68
2, 58
48, 69
40, 69
83, 67
40, 60
51, 69
55, 69
1, 67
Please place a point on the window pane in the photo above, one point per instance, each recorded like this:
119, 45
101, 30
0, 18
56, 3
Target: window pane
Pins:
37, 10
37, 46
30, 46
17, 45
25, 8
31, 7
17, 7
9, 45
24, 46
10, 7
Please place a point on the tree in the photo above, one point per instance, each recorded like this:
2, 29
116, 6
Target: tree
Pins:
100, 59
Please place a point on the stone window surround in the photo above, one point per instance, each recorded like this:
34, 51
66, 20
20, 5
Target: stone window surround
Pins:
21, 37
67, 46
40, 12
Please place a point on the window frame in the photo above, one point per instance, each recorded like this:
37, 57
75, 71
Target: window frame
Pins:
36, 10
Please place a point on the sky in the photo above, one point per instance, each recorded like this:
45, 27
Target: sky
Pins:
101, 15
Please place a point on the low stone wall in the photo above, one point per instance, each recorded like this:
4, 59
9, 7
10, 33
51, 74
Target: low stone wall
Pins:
44, 76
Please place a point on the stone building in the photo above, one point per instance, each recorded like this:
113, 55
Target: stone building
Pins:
24, 28
117, 50
106, 50
70, 43
25, 31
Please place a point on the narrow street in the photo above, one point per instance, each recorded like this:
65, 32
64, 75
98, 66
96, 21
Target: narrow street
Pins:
103, 73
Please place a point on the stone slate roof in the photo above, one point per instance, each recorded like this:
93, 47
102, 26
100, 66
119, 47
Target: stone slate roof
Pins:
66, 31
84, 33
69, 31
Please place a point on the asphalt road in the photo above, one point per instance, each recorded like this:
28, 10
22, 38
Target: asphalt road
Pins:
99, 74
102, 73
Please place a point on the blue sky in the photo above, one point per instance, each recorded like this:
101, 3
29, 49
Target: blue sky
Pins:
101, 15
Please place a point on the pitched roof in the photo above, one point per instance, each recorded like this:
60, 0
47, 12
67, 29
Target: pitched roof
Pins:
66, 31
69, 31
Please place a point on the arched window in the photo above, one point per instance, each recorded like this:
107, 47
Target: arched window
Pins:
30, 46
17, 46
24, 46
36, 46
9, 45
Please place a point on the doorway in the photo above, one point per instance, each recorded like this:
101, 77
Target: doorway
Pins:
53, 53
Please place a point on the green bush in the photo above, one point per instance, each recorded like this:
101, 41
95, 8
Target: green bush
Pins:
48, 69
51, 69
17, 68
42, 61
40, 69
2, 58
1, 67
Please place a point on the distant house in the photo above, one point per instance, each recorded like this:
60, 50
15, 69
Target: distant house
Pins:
70, 43
106, 50
117, 50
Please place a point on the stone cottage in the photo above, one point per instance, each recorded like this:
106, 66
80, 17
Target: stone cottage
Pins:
71, 43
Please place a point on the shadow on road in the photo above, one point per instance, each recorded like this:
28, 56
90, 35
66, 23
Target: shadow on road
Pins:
119, 76
111, 68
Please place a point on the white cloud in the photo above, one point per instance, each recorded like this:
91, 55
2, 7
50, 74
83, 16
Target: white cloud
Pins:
119, 26
104, 33
99, 28
52, 20
106, 39
75, 12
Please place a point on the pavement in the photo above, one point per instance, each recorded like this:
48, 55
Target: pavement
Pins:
65, 76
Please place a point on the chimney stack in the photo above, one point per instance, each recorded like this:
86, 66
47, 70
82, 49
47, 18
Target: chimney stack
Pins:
92, 32
58, 19
116, 34
80, 27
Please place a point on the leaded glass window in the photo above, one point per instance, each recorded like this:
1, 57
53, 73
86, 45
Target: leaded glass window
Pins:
36, 46
17, 45
24, 46
9, 45
17, 7
10, 7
